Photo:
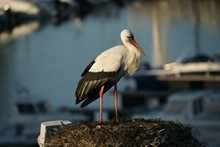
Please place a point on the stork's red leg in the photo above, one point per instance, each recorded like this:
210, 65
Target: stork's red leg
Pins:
116, 102
101, 95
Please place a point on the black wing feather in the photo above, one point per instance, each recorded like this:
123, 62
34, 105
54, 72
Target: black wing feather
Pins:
90, 85
95, 94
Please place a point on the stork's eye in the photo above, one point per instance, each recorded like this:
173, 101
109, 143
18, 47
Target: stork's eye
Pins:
128, 37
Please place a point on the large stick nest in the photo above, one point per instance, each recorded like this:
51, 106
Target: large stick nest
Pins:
125, 133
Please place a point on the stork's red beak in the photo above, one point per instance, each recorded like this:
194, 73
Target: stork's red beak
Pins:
138, 47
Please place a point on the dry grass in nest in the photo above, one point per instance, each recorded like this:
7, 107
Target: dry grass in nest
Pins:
126, 133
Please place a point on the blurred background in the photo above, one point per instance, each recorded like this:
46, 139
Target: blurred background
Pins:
46, 44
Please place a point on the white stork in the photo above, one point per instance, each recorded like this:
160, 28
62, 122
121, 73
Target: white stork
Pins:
107, 69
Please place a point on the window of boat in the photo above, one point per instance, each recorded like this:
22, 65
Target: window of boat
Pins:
175, 107
41, 107
26, 108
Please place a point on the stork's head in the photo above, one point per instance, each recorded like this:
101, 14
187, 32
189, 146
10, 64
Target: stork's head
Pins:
127, 38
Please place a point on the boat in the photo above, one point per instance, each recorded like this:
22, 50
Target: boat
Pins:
198, 109
16, 12
21, 9
197, 72
198, 68
27, 113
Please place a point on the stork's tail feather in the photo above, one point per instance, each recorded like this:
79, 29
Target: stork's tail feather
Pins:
88, 101
77, 101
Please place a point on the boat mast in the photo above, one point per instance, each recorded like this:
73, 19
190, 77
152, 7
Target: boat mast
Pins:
159, 47
196, 26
